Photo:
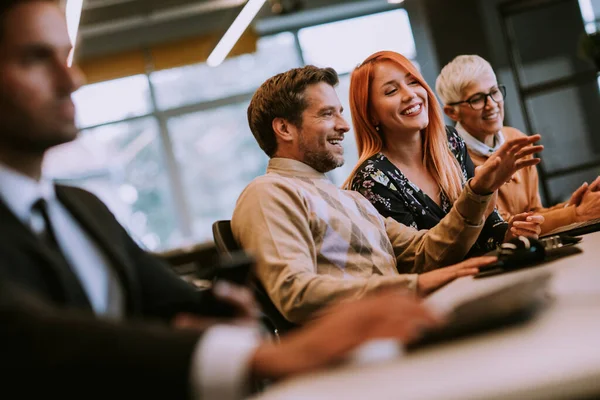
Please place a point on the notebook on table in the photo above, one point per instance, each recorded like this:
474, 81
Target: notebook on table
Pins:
576, 229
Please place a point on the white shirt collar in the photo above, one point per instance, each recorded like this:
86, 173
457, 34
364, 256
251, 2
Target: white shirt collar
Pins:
480, 148
19, 192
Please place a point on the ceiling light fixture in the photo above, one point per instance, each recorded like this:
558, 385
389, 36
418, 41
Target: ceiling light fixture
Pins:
73, 14
234, 32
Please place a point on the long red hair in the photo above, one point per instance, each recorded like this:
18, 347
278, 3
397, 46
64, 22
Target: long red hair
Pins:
438, 159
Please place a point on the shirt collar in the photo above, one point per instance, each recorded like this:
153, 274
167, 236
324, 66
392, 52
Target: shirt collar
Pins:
19, 191
477, 147
295, 168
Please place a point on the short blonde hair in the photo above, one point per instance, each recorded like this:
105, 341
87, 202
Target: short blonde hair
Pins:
458, 74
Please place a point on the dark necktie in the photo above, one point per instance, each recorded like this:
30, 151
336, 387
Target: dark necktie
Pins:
72, 293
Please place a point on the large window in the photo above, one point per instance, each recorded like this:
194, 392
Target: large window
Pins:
170, 151
115, 100
343, 45
200, 83
217, 156
123, 164
590, 11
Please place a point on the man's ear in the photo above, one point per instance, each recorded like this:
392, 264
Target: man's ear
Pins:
284, 130
452, 113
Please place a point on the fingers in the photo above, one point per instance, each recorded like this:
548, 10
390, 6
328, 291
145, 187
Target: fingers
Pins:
467, 272
239, 297
386, 314
472, 265
538, 219
595, 186
409, 306
578, 194
520, 164
514, 145
520, 217
525, 229
526, 224
417, 328
519, 232
510, 144
528, 151
520, 147
475, 262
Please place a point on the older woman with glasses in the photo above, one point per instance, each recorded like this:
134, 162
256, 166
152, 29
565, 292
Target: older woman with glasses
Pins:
473, 98
412, 168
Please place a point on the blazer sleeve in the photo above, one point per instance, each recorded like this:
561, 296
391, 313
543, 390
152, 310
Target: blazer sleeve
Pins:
68, 353
161, 292
165, 294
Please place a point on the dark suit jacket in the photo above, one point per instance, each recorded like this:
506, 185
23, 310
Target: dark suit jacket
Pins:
151, 288
63, 334
50, 352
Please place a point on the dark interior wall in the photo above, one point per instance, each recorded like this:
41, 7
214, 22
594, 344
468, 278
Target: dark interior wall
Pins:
457, 27
466, 27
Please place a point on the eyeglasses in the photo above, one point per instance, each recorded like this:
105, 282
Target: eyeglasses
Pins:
479, 101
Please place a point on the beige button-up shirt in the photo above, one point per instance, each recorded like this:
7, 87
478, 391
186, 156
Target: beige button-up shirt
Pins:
315, 243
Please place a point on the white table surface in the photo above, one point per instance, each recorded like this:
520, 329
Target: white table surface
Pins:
554, 356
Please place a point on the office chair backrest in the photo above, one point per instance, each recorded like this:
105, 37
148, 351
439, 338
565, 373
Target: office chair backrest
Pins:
226, 245
223, 236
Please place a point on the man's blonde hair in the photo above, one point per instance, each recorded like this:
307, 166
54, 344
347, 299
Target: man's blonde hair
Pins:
458, 74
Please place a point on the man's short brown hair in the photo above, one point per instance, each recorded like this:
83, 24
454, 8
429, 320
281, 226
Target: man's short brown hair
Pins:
282, 96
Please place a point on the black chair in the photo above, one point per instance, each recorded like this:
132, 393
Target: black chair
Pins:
226, 245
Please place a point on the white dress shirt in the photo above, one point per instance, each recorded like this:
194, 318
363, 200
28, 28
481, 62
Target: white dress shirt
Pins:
219, 368
478, 147
220, 364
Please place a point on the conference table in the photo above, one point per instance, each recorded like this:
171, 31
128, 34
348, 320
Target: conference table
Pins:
555, 355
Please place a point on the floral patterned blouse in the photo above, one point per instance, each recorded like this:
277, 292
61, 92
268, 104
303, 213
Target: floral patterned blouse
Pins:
393, 195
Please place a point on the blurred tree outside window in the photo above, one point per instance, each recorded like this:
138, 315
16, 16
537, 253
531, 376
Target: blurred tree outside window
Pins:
123, 165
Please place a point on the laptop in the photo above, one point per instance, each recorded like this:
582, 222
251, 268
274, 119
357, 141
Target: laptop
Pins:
513, 304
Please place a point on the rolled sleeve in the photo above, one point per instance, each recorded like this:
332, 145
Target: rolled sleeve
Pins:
446, 243
221, 363
471, 206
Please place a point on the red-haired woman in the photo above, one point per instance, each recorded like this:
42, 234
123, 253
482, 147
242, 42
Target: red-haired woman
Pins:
411, 166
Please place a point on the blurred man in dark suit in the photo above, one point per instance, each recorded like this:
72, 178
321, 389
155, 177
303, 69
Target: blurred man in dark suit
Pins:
72, 281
